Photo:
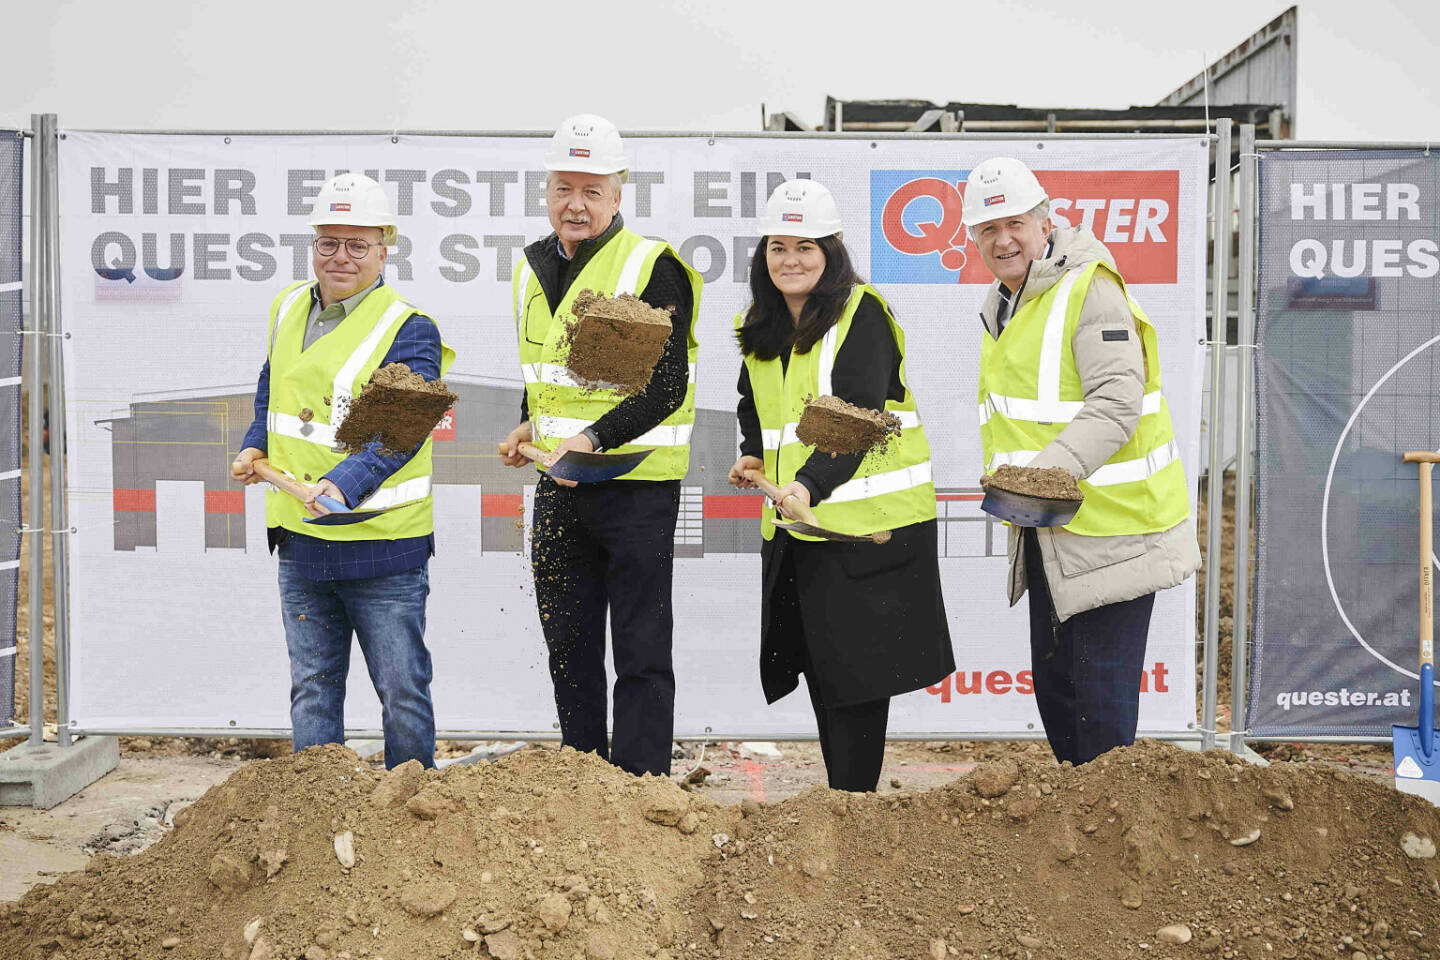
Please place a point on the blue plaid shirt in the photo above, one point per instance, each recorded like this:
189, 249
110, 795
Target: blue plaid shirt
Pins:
417, 345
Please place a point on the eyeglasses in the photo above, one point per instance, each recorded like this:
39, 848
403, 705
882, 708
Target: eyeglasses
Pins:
329, 246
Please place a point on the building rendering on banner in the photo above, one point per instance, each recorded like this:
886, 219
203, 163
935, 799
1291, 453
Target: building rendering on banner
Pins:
172, 452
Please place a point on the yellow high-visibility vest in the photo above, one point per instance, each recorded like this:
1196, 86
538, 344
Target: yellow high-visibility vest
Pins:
337, 365
560, 406
1030, 391
892, 487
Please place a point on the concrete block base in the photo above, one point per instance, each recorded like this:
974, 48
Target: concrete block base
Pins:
48, 775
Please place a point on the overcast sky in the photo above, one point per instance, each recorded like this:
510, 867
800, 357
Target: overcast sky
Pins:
1366, 70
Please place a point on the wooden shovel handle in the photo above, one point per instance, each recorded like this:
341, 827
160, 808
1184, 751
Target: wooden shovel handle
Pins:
802, 513
277, 479
535, 453
1427, 569
1422, 456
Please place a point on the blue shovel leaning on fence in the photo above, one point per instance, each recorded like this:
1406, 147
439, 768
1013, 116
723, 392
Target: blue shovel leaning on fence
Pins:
1417, 765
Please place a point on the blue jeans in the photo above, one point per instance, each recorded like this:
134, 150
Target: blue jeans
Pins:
387, 615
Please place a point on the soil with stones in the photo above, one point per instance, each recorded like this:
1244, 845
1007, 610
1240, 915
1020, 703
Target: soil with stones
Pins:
1049, 483
397, 407
834, 426
614, 343
1148, 852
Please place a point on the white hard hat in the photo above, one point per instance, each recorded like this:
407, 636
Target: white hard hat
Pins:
1000, 187
586, 143
356, 200
800, 208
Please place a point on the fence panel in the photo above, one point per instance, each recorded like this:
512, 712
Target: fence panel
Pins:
173, 246
12, 206
1349, 379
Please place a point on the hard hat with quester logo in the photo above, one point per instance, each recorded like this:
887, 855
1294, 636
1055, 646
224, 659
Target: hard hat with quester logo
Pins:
998, 188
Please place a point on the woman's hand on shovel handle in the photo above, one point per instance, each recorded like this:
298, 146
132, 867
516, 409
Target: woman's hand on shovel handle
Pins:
737, 472
792, 493
241, 468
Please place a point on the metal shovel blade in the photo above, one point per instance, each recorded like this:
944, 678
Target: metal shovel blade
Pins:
340, 514
1026, 511
1414, 772
1417, 752
595, 467
795, 526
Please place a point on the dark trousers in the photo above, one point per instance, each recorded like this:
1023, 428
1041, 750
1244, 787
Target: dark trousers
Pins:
598, 547
852, 737
1087, 669
852, 740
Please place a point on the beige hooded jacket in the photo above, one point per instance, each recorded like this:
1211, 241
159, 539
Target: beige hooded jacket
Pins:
1088, 572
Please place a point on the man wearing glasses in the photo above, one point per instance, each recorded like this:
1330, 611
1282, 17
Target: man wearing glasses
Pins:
371, 578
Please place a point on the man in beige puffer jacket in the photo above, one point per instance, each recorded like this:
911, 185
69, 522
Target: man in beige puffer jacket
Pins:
1092, 583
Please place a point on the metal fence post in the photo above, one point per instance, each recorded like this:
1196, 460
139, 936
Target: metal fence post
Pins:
59, 522
1215, 475
1244, 412
35, 364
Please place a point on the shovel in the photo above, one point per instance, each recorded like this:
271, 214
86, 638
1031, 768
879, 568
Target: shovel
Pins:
808, 524
585, 467
1023, 510
1417, 767
339, 513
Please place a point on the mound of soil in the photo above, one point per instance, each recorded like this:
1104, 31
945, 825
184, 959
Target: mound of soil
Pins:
1147, 852
834, 426
615, 343
1050, 483
397, 407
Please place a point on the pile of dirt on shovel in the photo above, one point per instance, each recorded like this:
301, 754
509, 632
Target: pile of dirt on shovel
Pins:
1149, 852
834, 426
1051, 483
397, 407
615, 342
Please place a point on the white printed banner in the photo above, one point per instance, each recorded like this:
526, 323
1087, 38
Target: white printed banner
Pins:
173, 246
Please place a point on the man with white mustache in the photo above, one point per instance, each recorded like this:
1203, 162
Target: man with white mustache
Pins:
1070, 378
610, 545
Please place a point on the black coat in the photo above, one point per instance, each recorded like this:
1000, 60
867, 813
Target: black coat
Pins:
867, 620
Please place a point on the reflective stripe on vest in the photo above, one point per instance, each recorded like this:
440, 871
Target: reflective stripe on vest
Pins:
561, 376
560, 405
1135, 491
285, 306
384, 329
677, 435
1113, 472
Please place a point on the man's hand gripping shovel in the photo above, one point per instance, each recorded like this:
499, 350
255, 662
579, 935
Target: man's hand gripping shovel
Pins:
339, 513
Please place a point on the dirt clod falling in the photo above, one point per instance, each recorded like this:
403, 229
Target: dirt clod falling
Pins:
616, 342
397, 407
834, 426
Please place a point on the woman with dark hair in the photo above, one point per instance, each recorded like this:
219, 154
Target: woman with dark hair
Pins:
862, 621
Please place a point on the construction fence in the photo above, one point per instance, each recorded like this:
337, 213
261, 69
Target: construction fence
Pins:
1349, 374
170, 247
12, 203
